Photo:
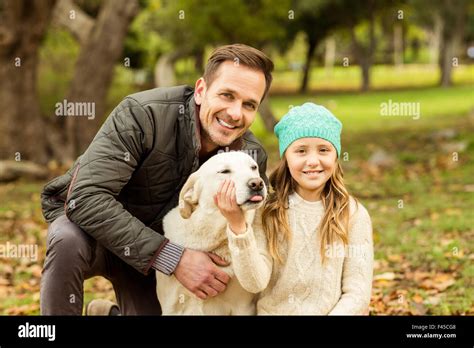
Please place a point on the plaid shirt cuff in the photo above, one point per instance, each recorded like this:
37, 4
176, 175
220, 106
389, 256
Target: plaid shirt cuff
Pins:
168, 258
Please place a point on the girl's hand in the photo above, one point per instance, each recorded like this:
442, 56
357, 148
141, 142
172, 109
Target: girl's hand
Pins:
226, 201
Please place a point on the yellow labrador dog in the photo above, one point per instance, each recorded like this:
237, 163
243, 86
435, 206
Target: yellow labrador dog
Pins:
198, 224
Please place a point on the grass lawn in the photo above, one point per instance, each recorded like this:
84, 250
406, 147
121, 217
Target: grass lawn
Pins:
382, 77
422, 212
363, 111
421, 204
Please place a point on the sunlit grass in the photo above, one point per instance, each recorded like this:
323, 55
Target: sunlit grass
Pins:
382, 77
360, 112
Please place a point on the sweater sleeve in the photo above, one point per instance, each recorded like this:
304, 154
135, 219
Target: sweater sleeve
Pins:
358, 267
251, 260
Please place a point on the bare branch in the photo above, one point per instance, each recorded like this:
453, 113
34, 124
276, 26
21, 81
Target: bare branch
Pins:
70, 16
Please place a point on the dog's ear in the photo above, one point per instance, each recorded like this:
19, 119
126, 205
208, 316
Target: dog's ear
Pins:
189, 196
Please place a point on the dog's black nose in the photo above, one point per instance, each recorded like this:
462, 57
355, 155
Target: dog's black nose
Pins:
255, 184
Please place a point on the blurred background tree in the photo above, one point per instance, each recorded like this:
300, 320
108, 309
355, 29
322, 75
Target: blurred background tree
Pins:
19, 45
23, 27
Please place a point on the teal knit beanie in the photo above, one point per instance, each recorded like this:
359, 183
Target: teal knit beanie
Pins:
308, 121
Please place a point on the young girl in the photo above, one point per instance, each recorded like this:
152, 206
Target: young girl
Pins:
310, 250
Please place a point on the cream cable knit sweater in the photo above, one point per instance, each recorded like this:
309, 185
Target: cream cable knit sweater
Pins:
301, 285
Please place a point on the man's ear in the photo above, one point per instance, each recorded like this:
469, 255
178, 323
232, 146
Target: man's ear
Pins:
200, 90
189, 196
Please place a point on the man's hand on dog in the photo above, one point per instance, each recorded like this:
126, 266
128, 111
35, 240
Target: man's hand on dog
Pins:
198, 273
226, 201
197, 270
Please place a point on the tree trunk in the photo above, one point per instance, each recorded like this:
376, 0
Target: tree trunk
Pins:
398, 45
13, 170
22, 26
307, 66
269, 120
445, 62
435, 39
164, 71
365, 54
452, 35
365, 70
199, 61
330, 54
164, 68
94, 70
265, 110
370, 54
80, 26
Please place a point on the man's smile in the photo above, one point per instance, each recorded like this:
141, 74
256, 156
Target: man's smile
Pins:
225, 124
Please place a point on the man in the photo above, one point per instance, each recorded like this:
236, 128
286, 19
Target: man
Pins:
106, 212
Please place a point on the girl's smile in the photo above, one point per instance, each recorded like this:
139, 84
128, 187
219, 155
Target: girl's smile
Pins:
313, 173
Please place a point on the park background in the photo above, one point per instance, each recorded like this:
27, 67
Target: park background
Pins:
413, 172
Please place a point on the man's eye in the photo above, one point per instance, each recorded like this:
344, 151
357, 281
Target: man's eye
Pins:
225, 171
250, 106
227, 95
324, 149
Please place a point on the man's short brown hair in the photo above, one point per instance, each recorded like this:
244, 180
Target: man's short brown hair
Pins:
239, 54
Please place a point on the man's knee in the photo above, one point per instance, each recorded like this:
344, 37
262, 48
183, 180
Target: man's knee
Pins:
67, 241
68, 259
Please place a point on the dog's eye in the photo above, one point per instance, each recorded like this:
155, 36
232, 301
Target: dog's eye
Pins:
254, 167
225, 171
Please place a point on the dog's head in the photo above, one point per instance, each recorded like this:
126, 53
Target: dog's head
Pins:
203, 184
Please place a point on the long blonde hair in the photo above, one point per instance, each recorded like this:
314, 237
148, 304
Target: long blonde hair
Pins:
334, 224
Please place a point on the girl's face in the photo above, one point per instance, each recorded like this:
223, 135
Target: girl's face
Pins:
311, 162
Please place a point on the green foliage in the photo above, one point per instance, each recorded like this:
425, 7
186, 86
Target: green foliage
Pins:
143, 44
192, 25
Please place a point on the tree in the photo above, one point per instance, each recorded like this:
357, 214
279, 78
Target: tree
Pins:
365, 17
23, 25
364, 52
23, 134
448, 21
318, 19
100, 50
455, 18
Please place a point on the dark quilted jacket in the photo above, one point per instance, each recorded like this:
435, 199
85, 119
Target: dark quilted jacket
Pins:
130, 176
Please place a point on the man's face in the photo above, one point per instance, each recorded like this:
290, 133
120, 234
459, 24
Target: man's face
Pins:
229, 105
